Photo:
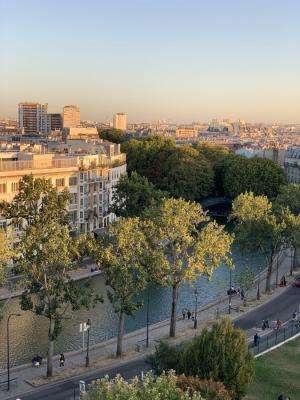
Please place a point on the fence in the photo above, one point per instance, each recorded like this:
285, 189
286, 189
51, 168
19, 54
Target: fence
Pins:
275, 337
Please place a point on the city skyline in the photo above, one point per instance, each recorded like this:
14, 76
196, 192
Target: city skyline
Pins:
181, 61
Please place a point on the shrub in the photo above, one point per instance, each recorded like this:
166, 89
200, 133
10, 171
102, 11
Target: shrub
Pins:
208, 388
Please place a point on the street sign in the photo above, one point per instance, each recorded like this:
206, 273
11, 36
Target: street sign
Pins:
83, 327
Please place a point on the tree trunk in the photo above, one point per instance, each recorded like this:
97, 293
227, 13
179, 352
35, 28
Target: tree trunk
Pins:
174, 308
292, 260
120, 334
50, 348
258, 290
269, 273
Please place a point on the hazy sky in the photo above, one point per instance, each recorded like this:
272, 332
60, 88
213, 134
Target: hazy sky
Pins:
181, 60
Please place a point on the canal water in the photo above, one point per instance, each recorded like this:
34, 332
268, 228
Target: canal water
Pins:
28, 333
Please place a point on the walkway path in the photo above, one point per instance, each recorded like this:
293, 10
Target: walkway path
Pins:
102, 354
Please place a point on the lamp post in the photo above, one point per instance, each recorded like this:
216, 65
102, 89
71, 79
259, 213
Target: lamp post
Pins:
230, 293
196, 306
8, 348
87, 358
147, 322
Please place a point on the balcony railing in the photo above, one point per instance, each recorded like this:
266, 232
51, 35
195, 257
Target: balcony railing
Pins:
34, 164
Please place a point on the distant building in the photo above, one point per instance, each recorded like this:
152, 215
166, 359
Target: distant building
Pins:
292, 165
80, 133
33, 118
71, 116
55, 122
184, 132
120, 121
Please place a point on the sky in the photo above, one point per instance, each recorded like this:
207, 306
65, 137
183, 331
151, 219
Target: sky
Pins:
181, 60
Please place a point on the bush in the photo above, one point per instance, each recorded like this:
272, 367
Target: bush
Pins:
162, 388
220, 354
208, 388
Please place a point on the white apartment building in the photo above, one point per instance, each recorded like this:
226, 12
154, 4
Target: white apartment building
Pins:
89, 170
71, 116
120, 121
292, 165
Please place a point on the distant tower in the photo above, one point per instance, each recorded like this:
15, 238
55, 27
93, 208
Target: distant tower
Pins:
33, 118
120, 121
71, 116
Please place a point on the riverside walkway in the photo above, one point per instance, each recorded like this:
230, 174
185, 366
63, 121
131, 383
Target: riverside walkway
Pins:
102, 357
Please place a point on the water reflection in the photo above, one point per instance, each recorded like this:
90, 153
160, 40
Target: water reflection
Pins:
28, 333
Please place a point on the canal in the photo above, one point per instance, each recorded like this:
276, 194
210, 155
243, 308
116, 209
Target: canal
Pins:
28, 333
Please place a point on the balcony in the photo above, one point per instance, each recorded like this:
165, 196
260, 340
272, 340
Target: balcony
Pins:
6, 166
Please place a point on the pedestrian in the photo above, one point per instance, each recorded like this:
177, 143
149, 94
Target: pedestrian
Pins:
62, 360
263, 326
280, 397
183, 313
294, 315
256, 339
267, 324
189, 314
278, 324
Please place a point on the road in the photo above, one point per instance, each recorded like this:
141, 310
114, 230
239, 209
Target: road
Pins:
281, 307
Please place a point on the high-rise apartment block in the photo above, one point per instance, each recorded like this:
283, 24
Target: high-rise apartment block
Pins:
120, 121
71, 116
33, 118
55, 122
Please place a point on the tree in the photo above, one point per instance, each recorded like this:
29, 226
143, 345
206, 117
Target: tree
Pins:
112, 135
220, 353
133, 195
36, 202
208, 388
289, 196
190, 244
258, 175
260, 228
181, 171
245, 280
121, 256
45, 260
163, 387
6, 254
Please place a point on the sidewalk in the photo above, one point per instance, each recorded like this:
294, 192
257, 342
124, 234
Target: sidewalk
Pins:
102, 354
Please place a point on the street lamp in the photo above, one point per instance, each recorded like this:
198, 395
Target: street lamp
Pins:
8, 348
196, 306
147, 313
87, 358
230, 292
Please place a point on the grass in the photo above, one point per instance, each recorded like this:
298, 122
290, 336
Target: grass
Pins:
278, 372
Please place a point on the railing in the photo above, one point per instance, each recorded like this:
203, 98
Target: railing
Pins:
275, 337
37, 164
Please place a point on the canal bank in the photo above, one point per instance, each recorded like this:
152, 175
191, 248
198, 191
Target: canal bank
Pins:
102, 354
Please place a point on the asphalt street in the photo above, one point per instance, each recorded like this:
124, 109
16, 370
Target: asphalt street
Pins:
281, 307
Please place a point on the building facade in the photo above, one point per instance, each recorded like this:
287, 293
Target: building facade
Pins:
71, 116
55, 122
89, 170
292, 165
33, 118
120, 121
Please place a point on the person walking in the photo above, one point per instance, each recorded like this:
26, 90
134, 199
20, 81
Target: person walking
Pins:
189, 314
183, 313
62, 360
256, 339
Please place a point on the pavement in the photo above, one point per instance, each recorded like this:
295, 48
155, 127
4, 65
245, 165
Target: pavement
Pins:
280, 304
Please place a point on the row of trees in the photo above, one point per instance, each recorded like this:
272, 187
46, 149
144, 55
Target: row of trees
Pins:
195, 172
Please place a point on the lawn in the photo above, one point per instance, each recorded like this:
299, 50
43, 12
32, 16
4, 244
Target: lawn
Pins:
277, 372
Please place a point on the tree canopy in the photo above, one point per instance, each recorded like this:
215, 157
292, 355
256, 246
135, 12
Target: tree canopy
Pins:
112, 135
258, 175
133, 194
289, 196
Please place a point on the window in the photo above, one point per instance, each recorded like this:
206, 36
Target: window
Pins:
15, 186
60, 182
73, 181
2, 187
